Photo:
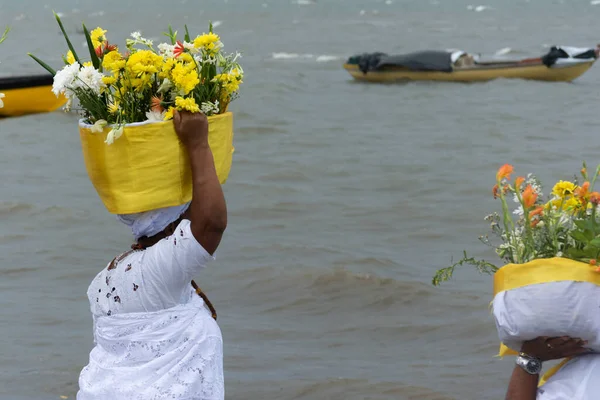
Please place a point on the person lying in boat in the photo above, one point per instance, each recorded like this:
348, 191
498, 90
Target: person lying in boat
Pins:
577, 379
154, 334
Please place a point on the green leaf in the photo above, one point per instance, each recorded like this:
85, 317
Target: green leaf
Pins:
93, 55
585, 224
3, 37
595, 243
578, 253
62, 28
187, 34
43, 64
583, 237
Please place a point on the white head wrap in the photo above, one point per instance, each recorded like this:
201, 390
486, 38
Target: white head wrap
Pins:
150, 223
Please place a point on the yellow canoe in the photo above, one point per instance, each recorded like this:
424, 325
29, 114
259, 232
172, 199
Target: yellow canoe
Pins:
481, 73
29, 95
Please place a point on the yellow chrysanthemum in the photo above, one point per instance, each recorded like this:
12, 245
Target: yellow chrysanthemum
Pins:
187, 104
208, 42
184, 79
563, 189
230, 82
169, 113
167, 67
109, 80
113, 108
70, 57
572, 204
113, 61
141, 67
87, 64
97, 36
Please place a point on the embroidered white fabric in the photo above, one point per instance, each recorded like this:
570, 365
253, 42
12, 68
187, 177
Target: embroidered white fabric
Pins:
154, 336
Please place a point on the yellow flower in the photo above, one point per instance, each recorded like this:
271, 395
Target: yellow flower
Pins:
167, 67
87, 64
141, 67
184, 79
109, 80
572, 204
188, 104
97, 36
113, 61
113, 108
208, 42
169, 113
563, 189
230, 82
70, 57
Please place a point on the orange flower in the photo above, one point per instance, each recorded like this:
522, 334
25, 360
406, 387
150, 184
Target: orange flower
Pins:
597, 269
495, 191
156, 104
529, 197
583, 191
538, 211
593, 262
504, 172
595, 198
99, 51
519, 181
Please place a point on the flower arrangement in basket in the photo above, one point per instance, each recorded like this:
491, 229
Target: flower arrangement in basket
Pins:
2, 39
134, 93
551, 246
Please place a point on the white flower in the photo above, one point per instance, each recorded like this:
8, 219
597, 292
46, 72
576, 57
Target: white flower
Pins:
164, 86
559, 254
519, 211
209, 108
166, 50
155, 116
1, 102
63, 80
98, 127
90, 78
69, 104
114, 134
136, 35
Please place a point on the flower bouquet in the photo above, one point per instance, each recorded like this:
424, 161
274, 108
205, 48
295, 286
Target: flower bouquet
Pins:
551, 283
126, 101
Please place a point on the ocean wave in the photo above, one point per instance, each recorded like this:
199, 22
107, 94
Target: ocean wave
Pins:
478, 8
297, 56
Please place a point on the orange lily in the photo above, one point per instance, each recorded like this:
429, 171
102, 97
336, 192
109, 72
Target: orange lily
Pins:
519, 181
583, 191
504, 172
595, 198
156, 104
529, 197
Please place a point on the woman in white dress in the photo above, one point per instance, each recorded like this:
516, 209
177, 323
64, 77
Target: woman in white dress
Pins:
154, 336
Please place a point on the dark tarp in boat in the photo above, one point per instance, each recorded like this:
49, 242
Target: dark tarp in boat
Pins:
23, 82
418, 61
556, 53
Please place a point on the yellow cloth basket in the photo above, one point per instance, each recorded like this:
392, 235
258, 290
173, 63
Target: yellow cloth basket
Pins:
147, 167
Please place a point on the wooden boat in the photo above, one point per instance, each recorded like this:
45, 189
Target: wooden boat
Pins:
28, 95
557, 66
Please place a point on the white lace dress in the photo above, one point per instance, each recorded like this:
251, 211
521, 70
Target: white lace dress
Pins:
154, 336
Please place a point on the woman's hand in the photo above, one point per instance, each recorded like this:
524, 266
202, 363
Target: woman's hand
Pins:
191, 128
546, 348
